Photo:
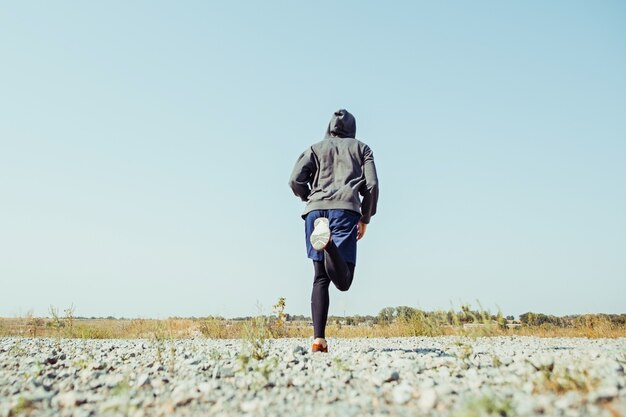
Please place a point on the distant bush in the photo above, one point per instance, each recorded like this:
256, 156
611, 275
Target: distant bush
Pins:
574, 321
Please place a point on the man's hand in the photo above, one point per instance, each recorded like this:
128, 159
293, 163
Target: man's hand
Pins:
360, 230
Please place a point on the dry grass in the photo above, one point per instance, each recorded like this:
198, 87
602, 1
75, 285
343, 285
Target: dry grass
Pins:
561, 379
97, 328
240, 329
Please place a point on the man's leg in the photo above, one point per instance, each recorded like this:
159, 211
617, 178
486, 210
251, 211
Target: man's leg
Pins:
340, 252
339, 271
320, 300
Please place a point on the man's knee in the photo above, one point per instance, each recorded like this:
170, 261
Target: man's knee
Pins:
345, 286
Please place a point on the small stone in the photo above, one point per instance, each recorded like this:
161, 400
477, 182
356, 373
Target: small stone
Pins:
382, 376
528, 387
249, 406
70, 399
183, 395
82, 412
298, 381
427, 400
114, 380
402, 394
506, 360
471, 373
157, 383
542, 404
226, 372
566, 401
604, 393
427, 383
444, 390
40, 394
95, 384
206, 387
299, 350
98, 366
116, 403
394, 376
138, 413
143, 380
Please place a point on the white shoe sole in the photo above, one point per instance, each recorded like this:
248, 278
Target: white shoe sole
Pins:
321, 234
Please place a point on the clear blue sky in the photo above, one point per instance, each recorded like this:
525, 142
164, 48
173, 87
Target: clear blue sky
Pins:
145, 149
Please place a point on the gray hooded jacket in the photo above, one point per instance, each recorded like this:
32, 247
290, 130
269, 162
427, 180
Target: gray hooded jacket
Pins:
338, 172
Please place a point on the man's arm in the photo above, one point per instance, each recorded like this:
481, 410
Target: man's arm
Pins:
302, 175
370, 189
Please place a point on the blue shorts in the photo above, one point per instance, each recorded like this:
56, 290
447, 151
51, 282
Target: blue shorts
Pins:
342, 229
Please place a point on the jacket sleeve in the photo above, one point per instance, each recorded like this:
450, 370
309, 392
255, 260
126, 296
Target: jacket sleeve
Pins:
302, 174
369, 191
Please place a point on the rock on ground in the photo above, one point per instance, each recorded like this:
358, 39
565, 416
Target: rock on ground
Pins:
436, 376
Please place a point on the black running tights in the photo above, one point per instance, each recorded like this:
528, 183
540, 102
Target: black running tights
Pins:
334, 269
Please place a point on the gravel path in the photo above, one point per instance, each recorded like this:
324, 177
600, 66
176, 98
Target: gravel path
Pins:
436, 376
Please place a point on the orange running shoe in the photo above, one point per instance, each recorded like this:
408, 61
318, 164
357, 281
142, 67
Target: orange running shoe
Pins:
318, 347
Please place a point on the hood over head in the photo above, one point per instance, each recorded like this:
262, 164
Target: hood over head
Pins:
342, 125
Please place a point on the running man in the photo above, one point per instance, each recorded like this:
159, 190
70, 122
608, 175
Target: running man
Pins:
337, 179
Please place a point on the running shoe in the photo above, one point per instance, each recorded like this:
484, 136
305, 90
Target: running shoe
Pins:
321, 234
318, 347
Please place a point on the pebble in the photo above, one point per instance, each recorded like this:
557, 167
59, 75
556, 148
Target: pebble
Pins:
394, 376
299, 350
68, 399
604, 393
143, 380
427, 400
402, 394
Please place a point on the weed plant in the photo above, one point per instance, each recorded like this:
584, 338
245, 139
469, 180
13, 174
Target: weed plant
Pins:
559, 380
486, 406
255, 337
278, 328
